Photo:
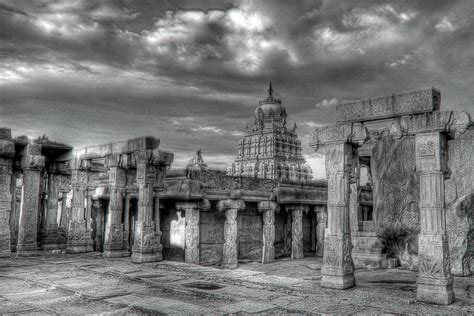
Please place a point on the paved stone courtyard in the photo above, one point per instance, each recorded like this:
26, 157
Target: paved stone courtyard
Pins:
90, 284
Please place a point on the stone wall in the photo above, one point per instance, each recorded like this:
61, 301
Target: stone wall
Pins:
396, 197
459, 191
211, 236
250, 233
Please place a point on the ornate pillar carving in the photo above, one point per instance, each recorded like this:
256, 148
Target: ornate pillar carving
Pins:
113, 242
192, 210
268, 209
32, 164
338, 268
321, 219
76, 236
231, 208
297, 230
435, 283
7, 150
126, 223
146, 246
51, 238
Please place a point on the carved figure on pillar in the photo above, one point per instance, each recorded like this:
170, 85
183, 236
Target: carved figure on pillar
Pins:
268, 209
297, 231
435, 283
231, 207
321, 218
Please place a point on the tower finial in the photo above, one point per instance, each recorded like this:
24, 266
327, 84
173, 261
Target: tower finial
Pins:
270, 90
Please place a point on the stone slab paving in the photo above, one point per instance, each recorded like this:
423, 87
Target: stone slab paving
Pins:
89, 284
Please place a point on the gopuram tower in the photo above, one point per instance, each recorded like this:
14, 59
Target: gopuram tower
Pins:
269, 149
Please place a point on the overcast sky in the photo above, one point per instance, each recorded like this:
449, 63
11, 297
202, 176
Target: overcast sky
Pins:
192, 72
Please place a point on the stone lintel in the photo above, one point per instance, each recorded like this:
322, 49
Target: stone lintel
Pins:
128, 146
291, 195
353, 133
422, 101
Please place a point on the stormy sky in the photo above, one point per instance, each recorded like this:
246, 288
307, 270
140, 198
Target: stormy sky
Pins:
192, 72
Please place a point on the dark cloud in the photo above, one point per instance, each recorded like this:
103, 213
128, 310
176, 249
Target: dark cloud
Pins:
192, 72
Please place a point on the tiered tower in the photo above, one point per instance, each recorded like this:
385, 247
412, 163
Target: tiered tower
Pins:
268, 149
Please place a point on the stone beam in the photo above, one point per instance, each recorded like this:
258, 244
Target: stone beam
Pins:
128, 146
352, 133
396, 105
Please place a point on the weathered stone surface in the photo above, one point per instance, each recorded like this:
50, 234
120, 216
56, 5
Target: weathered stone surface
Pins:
396, 197
459, 191
435, 284
386, 107
231, 207
5, 206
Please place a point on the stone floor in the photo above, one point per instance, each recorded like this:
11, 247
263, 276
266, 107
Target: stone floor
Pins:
89, 284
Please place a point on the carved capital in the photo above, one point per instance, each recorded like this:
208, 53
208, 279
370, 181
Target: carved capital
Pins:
7, 148
203, 204
353, 133
268, 206
230, 204
33, 162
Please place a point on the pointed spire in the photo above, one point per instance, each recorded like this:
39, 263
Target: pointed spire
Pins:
270, 90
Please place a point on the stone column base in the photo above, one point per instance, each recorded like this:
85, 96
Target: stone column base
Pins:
143, 257
191, 255
340, 282
435, 291
116, 253
76, 249
50, 247
27, 250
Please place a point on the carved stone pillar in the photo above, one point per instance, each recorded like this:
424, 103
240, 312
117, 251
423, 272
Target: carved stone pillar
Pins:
297, 230
231, 208
268, 209
126, 224
321, 219
63, 222
146, 246
32, 164
88, 217
51, 238
192, 210
113, 242
76, 236
435, 283
338, 268
7, 150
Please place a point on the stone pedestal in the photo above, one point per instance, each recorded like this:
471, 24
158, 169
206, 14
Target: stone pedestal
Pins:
435, 283
268, 209
51, 233
338, 268
7, 150
230, 252
32, 164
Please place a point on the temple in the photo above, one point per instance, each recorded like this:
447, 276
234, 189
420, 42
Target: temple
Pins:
269, 149
400, 195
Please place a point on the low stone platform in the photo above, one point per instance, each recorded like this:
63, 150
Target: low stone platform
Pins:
90, 284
